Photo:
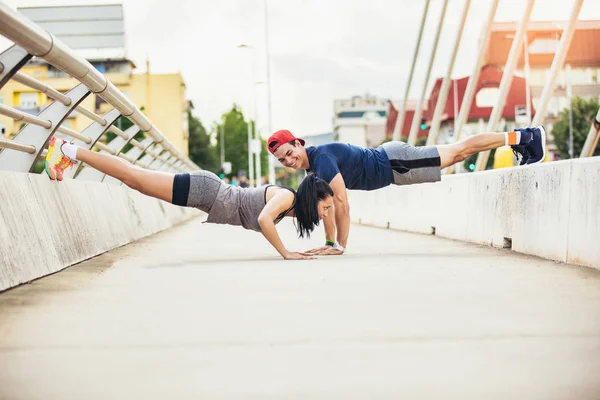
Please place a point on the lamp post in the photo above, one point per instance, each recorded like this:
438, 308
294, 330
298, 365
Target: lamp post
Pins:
269, 118
251, 177
258, 149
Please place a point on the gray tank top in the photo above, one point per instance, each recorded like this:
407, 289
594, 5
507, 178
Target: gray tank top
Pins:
241, 206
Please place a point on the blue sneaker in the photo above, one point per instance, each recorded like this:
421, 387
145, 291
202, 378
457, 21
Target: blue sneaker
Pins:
521, 151
532, 146
537, 146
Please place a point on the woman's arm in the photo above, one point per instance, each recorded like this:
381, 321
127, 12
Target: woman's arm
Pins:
280, 202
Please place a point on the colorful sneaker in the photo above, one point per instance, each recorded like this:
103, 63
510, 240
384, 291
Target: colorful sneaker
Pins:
56, 161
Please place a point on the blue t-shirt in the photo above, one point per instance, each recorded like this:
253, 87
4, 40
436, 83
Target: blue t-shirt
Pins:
362, 169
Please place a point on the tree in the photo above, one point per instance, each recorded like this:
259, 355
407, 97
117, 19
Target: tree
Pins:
584, 112
236, 141
200, 148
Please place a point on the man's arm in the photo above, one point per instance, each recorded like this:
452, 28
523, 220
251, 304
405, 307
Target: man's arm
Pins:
338, 220
329, 225
342, 209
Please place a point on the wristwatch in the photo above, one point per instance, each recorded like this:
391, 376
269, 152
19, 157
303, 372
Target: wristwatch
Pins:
339, 247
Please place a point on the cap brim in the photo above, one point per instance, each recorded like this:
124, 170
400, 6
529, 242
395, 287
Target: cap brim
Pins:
273, 150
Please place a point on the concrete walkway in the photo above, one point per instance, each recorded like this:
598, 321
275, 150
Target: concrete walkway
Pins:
209, 312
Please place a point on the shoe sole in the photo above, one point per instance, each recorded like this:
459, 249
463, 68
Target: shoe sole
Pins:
543, 132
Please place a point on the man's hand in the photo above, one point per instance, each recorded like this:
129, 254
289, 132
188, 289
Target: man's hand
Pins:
326, 251
331, 251
317, 250
296, 255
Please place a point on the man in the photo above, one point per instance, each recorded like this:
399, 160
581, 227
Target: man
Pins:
345, 166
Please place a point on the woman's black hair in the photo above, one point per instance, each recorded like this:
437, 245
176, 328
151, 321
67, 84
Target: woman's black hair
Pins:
311, 190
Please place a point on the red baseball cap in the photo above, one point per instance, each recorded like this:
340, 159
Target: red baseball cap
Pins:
281, 137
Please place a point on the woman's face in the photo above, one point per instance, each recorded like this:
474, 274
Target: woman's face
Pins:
325, 206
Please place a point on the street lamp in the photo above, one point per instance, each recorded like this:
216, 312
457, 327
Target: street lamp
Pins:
258, 149
269, 118
251, 171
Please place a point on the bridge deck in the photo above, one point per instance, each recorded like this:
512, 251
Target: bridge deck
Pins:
205, 311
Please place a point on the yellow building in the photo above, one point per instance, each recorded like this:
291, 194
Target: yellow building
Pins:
161, 96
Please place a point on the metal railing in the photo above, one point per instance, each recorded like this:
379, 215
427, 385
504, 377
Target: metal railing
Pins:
23, 151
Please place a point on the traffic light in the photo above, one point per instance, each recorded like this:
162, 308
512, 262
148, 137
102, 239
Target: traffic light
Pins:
470, 162
423, 124
221, 173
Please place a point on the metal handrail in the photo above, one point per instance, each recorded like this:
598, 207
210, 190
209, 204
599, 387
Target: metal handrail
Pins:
44, 45
19, 115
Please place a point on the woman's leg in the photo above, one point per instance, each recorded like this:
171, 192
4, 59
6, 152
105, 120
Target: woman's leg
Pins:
456, 152
151, 183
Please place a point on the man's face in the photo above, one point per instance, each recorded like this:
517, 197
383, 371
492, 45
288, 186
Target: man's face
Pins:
290, 155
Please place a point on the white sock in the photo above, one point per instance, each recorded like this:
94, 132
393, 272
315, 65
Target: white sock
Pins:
69, 150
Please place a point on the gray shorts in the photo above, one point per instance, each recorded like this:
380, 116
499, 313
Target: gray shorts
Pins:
413, 164
198, 189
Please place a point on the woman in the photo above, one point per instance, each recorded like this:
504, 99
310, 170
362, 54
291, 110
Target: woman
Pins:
258, 209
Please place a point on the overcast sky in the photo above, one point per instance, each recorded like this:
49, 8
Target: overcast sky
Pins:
320, 50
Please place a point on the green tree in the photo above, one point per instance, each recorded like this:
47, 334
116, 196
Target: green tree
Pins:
200, 148
584, 112
236, 141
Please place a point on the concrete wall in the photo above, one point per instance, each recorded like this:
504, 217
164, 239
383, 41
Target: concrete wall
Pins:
551, 210
46, 226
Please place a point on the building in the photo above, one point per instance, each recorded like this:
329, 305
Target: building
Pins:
318, 139
360, 120
580, 75
581, 70
481, 108
486, 94
409, 114
162, 97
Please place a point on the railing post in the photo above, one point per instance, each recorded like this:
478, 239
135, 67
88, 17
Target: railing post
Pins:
434, 130
557, 63
11, 60
402, 109
506, 82
591, 141
38, 136
94, 131
465, 108
412, 137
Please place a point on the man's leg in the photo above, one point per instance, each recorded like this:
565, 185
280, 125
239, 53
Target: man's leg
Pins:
530, 143
451, 154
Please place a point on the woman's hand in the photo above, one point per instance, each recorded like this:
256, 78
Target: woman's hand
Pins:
296, 255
